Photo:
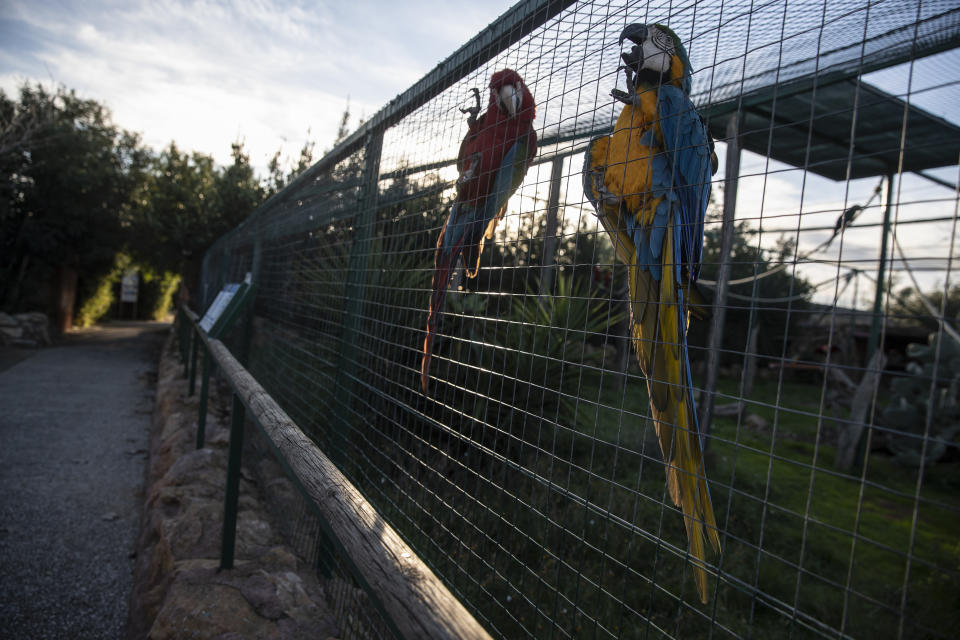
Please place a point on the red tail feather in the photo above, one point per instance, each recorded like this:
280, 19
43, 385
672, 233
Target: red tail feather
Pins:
444, 263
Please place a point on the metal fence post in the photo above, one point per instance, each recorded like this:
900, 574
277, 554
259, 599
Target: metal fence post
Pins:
723, 274
356, 283
246, 322
181, 338
550, 234
194, 348
204, 389
229, 535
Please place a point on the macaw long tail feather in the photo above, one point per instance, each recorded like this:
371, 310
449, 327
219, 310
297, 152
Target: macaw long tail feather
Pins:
444, 262
687, 483
659, 332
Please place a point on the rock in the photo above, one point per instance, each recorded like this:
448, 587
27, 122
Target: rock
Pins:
728, 409
36, 326
13, 332
7, 320
246, 602
178, 590
195, 608
755, 422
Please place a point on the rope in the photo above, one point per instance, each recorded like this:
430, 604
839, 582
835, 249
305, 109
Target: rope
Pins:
799, 296
843, 221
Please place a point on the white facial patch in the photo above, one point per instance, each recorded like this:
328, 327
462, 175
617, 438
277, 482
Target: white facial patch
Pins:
663, 41
510, 98
654, 57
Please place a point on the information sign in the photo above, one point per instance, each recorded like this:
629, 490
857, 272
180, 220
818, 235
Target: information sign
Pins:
219, 304
128, 286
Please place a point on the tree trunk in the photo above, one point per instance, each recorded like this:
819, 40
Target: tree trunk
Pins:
66, 297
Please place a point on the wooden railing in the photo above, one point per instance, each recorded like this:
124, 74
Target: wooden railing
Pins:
415, 602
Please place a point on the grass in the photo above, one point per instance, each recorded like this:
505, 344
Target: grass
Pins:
545, 509
570, 532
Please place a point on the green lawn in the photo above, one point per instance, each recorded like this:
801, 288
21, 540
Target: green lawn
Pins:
805, 549
550, 526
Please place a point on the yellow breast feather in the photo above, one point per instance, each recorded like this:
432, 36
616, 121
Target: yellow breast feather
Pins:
628, 171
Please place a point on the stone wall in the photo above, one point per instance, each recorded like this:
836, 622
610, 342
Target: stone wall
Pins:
178, 590
25, 330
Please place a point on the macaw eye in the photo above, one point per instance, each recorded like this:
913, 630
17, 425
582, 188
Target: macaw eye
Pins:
663, 41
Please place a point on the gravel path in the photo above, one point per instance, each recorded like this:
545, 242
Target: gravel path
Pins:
74, 423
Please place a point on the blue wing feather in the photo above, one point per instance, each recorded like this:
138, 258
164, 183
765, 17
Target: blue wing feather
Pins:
687, 152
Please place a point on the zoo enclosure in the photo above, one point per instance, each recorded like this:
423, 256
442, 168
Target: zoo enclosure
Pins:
528, 478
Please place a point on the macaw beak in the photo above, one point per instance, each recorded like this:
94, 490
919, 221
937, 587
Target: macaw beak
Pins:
510, 99
637, 34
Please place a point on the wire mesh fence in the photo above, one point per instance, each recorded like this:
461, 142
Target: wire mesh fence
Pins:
825, 367
358, 617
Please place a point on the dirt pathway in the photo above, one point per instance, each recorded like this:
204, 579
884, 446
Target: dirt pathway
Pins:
74, 422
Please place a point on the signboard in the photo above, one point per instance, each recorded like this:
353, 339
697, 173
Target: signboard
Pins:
223, 307
219, 304
128, 286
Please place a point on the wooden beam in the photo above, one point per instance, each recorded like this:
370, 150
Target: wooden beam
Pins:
417, 602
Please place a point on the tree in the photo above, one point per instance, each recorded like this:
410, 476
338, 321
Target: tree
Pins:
183, 214
282, 172
908, 307
69, 176
767, 299
238, 187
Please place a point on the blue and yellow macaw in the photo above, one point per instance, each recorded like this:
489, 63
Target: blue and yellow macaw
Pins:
650, 182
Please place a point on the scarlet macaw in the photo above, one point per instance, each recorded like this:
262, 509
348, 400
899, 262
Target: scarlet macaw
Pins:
650, 182
494, 156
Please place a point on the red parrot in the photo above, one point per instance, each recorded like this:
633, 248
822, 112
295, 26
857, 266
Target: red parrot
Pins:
494, 156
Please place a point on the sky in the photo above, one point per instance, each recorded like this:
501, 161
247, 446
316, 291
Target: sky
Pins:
208, 73
275, 74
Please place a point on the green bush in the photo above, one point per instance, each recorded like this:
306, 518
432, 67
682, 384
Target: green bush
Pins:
96, 304
100, 297
96, 292
156, 294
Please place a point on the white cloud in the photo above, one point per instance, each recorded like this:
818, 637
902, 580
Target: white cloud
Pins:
204, 74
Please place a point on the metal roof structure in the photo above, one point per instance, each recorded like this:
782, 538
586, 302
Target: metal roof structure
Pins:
844, 130
568, 52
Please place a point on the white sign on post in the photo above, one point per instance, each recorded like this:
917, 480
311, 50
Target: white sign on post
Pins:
219, 304
128, 286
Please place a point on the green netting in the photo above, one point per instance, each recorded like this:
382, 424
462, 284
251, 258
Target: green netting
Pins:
529, 476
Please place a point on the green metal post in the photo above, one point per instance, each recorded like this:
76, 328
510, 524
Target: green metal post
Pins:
246, 336
204, 386
874, 342
229, 536
181, 338
187, 343
194, 347
356, 288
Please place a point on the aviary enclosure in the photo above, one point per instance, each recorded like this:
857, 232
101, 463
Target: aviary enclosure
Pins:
527, 472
